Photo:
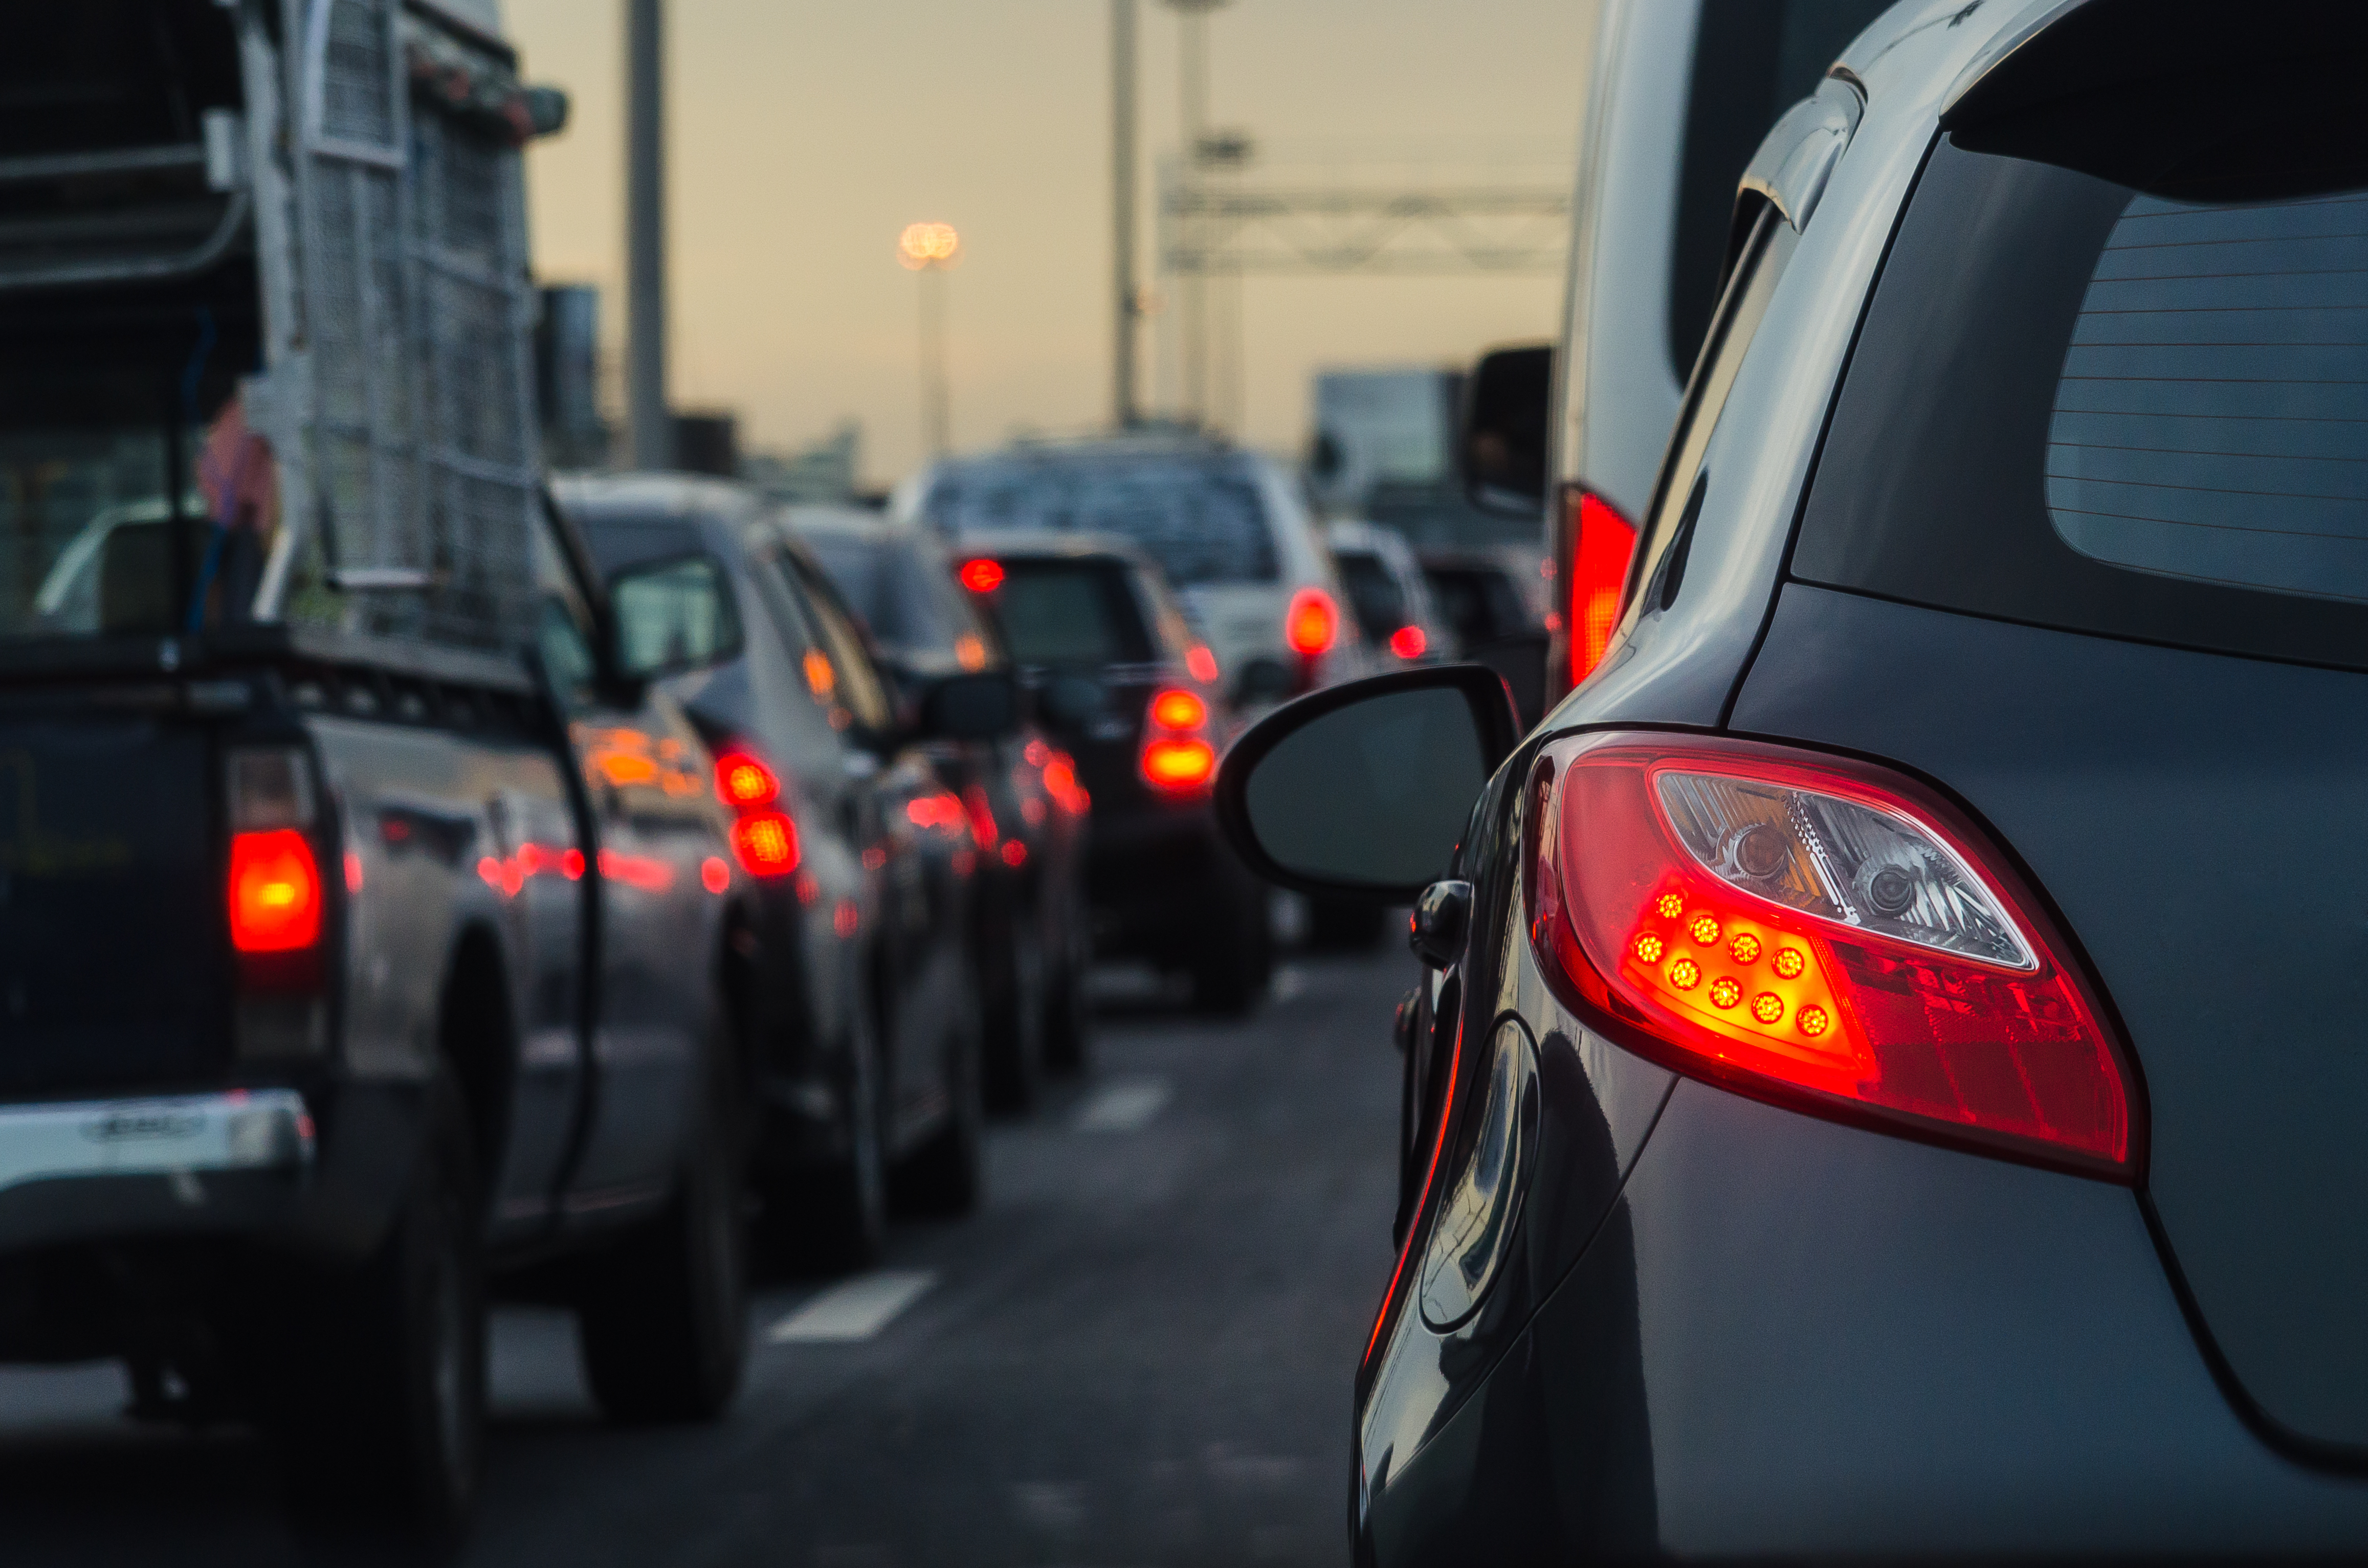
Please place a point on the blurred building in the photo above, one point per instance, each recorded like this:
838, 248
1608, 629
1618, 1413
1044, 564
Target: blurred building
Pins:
706, 441
567, 377
1383, 450
820, 474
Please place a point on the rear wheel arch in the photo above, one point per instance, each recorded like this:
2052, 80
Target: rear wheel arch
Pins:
476, 1037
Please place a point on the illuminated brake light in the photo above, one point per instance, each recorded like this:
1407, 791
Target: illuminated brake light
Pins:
1178, 765
1201, 662
1177, 710
1822, 933
981, 576
744, 781
1311, 623
275, 891
766, 844
1408, 642
1602, 542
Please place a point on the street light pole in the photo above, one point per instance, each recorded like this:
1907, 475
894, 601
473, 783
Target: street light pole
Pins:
1124, 412
649, 420
1192, 107
931, 249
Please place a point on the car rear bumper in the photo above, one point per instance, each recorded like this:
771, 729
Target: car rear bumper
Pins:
1795, 1338
1154, 868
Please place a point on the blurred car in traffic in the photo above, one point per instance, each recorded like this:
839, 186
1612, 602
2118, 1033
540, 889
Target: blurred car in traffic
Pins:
1388, 594
1124, 688
863, 1011
1035, 935
1226, 528
1883, 1087
1488, 600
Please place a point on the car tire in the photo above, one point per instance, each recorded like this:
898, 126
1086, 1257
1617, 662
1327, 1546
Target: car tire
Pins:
832, 1217
946, 1177
1015, 1024
1232, 960
664, 1313
1068, 1011
373, 1380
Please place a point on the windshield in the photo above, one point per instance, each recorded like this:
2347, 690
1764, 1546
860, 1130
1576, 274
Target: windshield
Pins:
1199, 517
1071, 612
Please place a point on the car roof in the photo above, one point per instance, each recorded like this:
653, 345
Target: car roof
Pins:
1050, 544
682, 497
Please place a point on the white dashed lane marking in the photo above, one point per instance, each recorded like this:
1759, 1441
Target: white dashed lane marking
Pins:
856, 1310
1126, 1104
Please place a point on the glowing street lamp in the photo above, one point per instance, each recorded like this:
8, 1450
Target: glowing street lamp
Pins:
930, 249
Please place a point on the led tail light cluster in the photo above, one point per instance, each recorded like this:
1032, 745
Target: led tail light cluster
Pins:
1825, 933
764, 839
1598, 541
1176, 757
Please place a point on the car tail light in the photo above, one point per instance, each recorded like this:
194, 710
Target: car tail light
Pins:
1201, 662
1311, 622
766, 844
983, 576
742, 782
1408, 642
275, 891
981, 811
1601, 543
1824, 934
1177, 710
1179, 764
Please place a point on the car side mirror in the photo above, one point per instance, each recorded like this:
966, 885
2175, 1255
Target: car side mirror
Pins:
1362, 789
981, 706
667, 617
1501, 446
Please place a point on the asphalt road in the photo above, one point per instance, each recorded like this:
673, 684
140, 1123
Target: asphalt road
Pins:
1138, 1352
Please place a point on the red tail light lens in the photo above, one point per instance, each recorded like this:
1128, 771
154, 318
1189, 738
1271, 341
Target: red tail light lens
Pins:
1409, 641
745, 781
275, 891
766, 844
981, 575
1179, 765
1824, 934
1602, 542
1201, 662
1175, 709
1311, 622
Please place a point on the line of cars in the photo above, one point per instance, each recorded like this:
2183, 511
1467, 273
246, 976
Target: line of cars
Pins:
1881, 1084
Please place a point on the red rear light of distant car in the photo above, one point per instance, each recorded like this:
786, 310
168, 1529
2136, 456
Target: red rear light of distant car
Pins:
1824, 934
766, 842
983, 576
1201, 662
1603, 541
744, 781
275, 891
1179, 764
1408, 642
1177, 710
1311, 622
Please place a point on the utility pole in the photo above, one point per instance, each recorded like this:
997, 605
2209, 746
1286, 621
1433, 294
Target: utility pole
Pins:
1192, 109
649, 419
1124, 412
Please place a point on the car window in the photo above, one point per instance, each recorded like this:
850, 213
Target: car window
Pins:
837, 670
1479, 603
890, 588
678, 613
1199, 517
1679, 493
1373, 593
2082, 406
1752, 60
563, 630
1071, 612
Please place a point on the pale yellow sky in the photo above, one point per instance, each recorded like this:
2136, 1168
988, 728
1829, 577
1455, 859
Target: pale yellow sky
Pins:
804, 136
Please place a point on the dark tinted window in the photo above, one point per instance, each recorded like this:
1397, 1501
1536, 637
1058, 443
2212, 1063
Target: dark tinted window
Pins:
891, 587
1198, 514
1373, 593
1071, 612
2081, 406
1753, 58
1479, 602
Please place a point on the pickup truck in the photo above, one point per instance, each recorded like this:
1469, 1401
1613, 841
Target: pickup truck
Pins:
369, 934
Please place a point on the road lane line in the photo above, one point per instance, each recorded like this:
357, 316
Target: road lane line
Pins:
1126, 1105
856, 1310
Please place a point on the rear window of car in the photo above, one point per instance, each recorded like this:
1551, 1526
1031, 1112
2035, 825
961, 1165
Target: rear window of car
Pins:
1199, 517
1753, 58
1479, 602
1373, 593
2085, 406
884, 581
1055, 612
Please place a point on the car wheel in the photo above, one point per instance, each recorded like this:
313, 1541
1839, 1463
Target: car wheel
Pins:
832, 1217
945, 1175
1015, 1032
373, 1382
1234, 959
1068, 1013
664, 1314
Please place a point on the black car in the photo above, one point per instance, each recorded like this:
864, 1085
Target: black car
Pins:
1887, 1082
867, 1050
1488, 602
1124, 688
1035, 936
